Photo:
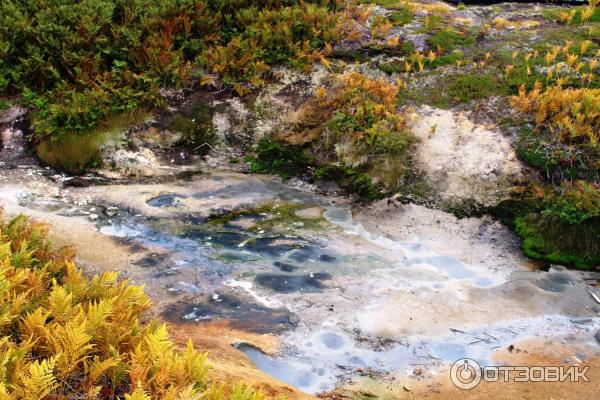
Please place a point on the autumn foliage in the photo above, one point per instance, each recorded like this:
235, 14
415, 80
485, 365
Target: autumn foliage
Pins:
67, 336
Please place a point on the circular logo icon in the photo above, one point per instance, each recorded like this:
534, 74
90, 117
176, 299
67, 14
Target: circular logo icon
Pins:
465, 373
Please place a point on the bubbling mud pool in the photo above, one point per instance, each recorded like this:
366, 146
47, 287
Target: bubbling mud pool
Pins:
343, 301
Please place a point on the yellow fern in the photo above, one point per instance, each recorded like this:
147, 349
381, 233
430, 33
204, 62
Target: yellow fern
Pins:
138, 394
40, 380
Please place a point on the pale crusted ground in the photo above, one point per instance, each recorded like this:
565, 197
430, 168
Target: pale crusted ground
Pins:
538, 353
463, 159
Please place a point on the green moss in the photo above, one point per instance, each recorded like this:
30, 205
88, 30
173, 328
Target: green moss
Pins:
457, 89
278, 158
403, 49
393, 67
274, 218
74, 152
415, 95
433, 23
559, 226
567, 244
520, 76
358, 55
401, 17
445, 59
465, 88
389, 4
449, 90
449, 39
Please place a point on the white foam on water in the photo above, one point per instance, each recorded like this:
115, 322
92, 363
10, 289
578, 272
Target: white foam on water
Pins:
247, 287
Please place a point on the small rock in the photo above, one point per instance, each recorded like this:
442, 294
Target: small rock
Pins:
93, 217
597, 336
294, 320
111, 212
128, 163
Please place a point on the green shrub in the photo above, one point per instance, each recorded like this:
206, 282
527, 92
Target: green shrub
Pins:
556, 160
366, 130
363, 142
78, 62
577, 203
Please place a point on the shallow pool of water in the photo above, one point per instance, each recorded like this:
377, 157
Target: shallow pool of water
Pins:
269, 258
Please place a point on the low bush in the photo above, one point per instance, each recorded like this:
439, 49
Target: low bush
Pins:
72, 153
77, 62
365, 128
577, 15
67, 336
363, 141
571, 115
554, 89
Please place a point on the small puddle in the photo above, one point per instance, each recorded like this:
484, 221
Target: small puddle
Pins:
283, 283
165, 200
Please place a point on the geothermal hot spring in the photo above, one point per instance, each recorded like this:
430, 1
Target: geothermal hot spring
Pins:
268, 257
